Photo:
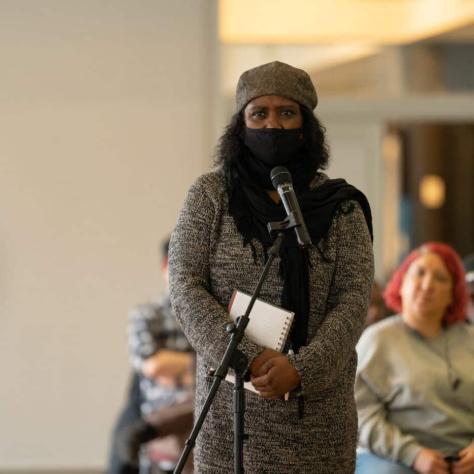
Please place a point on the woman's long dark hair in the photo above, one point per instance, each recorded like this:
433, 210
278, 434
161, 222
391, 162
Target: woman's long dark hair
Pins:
231, 148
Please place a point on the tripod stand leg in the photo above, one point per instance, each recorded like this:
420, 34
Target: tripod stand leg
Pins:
239, 433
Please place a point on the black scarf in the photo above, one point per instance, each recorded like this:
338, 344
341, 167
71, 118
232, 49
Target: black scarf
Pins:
252, 208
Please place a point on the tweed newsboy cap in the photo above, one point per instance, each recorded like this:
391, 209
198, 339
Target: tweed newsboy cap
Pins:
275, 78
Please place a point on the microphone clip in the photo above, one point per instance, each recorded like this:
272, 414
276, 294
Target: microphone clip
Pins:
286, 224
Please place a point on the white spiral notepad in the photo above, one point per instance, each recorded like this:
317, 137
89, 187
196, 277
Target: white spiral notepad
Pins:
268, 326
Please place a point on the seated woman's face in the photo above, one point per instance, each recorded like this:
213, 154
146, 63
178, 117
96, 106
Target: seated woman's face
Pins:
426, 290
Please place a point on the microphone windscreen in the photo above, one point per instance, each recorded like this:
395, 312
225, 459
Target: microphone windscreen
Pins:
280, 175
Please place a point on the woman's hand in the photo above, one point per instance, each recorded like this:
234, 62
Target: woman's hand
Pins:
465, 465
263, 357
274, 377
429, 461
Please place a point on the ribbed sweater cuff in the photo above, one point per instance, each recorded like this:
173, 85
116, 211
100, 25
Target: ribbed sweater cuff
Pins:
408, 454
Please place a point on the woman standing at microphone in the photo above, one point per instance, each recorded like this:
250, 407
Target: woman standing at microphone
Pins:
221, 243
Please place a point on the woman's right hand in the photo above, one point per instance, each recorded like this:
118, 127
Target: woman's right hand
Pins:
272, 374
429, 461
261, 359
465, 464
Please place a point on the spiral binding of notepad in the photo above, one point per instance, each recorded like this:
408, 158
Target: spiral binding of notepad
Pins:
284, 335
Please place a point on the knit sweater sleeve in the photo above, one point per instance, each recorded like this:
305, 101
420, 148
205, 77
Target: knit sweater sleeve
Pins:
374, 391
201, 316
323, 360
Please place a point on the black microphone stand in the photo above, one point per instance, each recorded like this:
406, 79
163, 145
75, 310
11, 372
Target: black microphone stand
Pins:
238, 361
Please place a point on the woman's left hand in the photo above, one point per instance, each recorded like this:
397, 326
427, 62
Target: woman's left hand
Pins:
465, 465
276, 377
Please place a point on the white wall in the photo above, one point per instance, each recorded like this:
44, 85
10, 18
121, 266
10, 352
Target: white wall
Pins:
104, 123
356, 156
355, 130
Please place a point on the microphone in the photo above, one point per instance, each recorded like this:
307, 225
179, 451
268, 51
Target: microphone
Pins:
282, 182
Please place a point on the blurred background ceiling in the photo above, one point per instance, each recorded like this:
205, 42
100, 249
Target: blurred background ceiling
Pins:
360, 47
341, 21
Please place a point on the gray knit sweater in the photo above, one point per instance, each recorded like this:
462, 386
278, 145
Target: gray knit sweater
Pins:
207, 261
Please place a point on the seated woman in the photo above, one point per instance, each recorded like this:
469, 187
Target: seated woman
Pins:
415, 378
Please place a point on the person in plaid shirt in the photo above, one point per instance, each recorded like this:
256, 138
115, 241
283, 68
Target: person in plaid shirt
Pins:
162, 360
160, 354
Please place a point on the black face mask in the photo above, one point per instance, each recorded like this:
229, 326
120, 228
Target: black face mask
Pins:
274, 146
